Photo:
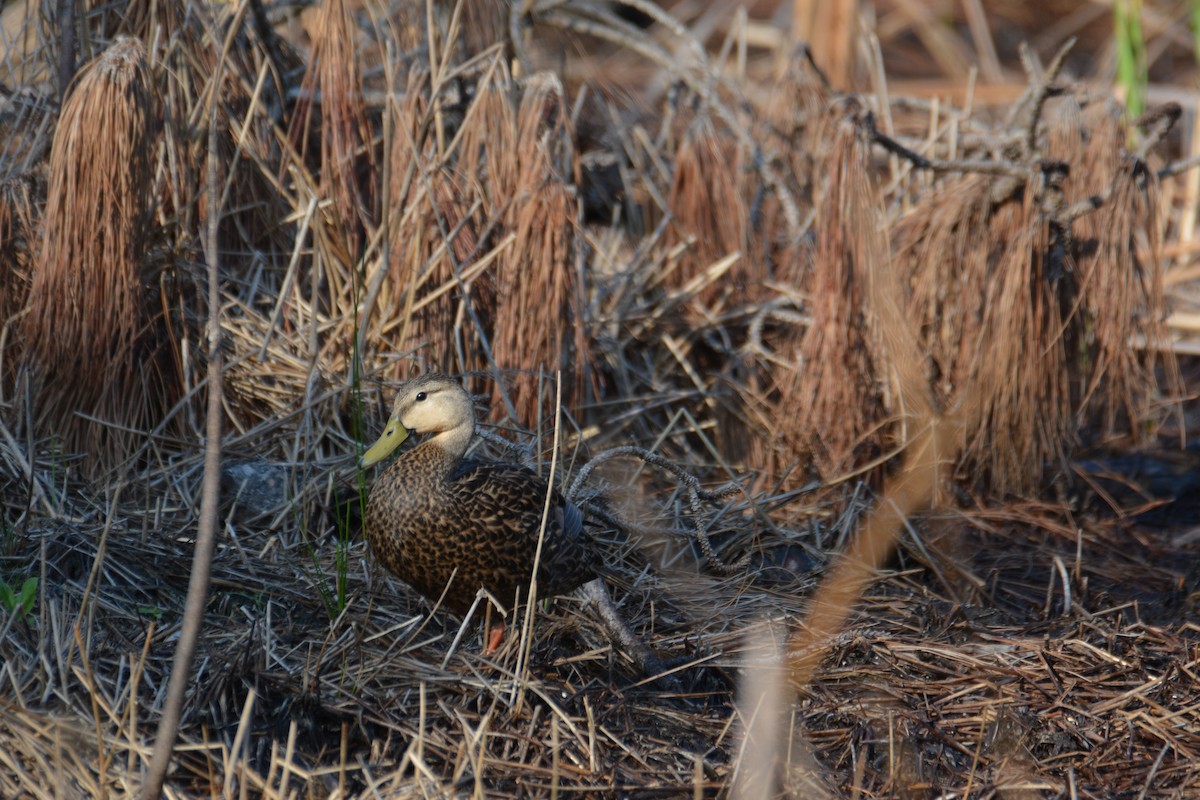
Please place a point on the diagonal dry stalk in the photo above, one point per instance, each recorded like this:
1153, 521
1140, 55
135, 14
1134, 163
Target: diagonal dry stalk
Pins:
206, 537
88, 326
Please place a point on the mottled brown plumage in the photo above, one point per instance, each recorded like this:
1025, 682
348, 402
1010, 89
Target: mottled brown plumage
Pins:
437, 520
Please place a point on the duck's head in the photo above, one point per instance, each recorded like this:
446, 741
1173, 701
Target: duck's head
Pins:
433, 404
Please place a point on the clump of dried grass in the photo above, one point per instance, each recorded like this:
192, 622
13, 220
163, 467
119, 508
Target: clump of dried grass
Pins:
257, 205
434, 240
830, 406
709, 216
347, 155
1019, 370
1119, 282
1028, 309
947, 242
485, 266
88, 331
541, 320
484, 24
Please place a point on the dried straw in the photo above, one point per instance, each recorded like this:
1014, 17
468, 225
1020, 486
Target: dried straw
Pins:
540, 310
830, 405
91, 352
709, 214
345, 158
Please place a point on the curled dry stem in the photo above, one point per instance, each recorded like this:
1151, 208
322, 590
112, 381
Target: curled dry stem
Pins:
698, 498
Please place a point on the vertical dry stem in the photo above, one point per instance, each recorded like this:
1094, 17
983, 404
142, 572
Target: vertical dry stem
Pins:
197, 596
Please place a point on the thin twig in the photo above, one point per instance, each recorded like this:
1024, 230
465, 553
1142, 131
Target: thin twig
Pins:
66, 47
1157, 123
197, 597
698, 497
982, 166
1043, 93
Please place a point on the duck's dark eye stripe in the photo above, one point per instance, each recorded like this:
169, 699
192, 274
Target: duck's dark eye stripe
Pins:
421, 396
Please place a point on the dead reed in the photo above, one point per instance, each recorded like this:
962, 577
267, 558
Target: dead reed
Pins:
435, 248
347, 155
830, 403
540, 304
1025, 303
777, 287
709, 218
90, 350
1118, 388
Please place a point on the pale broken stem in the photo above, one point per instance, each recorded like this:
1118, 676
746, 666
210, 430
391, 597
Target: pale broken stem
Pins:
595, 593
764, 701
531, 605
193, 615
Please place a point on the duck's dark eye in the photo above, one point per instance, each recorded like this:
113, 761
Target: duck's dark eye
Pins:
421, 396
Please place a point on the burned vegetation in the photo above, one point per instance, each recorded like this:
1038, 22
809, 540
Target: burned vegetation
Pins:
879, 406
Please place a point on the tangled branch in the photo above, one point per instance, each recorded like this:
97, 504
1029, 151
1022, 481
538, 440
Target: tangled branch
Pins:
698, 499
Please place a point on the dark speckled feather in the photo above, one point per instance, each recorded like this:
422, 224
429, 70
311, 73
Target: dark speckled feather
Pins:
435, 519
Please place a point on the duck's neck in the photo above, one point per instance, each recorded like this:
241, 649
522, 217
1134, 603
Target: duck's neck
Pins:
454, 441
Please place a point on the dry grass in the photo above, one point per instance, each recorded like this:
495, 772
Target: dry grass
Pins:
540, 301
725, 263
89, 326
708, 214
19, 198
343, 133
831, 400
1034, 313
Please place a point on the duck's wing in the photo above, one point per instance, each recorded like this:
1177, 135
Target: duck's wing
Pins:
508, 500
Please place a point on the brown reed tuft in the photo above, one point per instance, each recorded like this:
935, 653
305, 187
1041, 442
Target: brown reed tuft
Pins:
708, 210
1035, 313
942, 246
347, 157
87, 347
987, 298
830, 406
1120, 292
434, 239
540, 310
791, 126
1020, 366
484, 23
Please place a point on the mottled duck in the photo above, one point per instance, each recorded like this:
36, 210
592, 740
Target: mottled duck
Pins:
448, 526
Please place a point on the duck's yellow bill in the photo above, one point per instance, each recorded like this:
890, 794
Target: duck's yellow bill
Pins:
393, 436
